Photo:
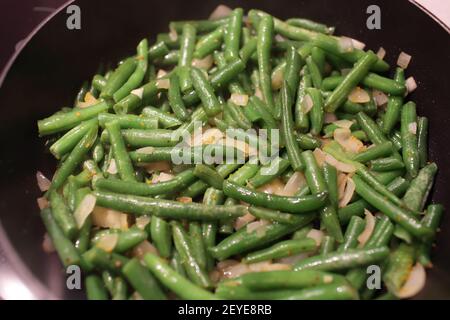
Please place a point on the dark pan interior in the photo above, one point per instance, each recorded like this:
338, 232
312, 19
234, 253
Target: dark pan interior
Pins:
50, 69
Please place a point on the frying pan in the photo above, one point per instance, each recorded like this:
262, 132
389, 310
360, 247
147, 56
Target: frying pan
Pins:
51, 67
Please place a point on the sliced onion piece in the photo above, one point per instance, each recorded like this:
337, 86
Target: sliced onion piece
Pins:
108, 242
42, 202
143, 248
295, 182
89, 100
209, 136
161, 73
279, 38
157, 166
163, 83
345, 44
259, 227
84, 209
162, 177
146, 150
307, 103
42, 181
276, 186
239, 99
410, 84
379, 97
319, 155
412, 127
359, 95
415, 282
112, 168
184, 199
243, 221
341, 166
235, 271
205, 63
264, 266
346, 124
358, 44
258, 93
173, 35
47, 244
330, 117
316, 235
291, 260
139, 92
345, 138
142, 222
277, 79
403, 60
381, 53
368, 230
349, 190
221, 11
109, 218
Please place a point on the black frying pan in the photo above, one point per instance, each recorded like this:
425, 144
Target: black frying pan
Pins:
49, 70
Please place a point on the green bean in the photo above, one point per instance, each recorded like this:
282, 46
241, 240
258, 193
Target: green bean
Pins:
386, 164
280, 280
381, 150
422, 140
358, 72
200, 25
209, 43
238, 115
209, 229
395, 103
189, 261
62, 215
372, 80
208, 175
266, 115
313, 174
399, 266
371, 129
316, 115
288, 204
158, 50
301, 117
137, 138
431, 219
138, 74
417, 193
318, 57
354, 229
327, 245
175, 99
302, 232
293, 150
123, 162
292, 71
161, 236
102, 260
272, 215
176, 264
264, 44
74, 159
314, 71
343, 260
95, 290
81, 93
248, 50
118, 78
197, 244
244, 173
269, 172
169, 59
395, 213
233, 34
174, 281
310, 25
187, 46
165, 119
206, 93
142, 280
409, 139
282, 249
166, 208
67, 252
243, 241
142, 96
308, 142
84, 235
128, 121
126, 239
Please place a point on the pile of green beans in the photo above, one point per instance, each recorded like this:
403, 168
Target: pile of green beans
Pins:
303, 224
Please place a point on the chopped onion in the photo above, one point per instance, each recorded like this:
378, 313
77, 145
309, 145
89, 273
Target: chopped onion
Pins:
163, 83
239, 99
293, 259
345, 71
47, 244
89, 100
307, 103
279, 38
42, 181
205, 63
414, 284
138, 92
243, 221
267, 266
258, 93
403, 60
226, 264
348, 192
368, 230
173, 35
235, 271
276, 186
221, 11
42, 202
277, 79
157, 166
146, 150
412, 127
346, 124
109, 218
359, 95
381, 53
410, 84
295, 182
342, 180
380, 97
162, 177
330, 117
358, 44
347, 141
161, 73
143, 248
320, 156
108, 242
84, 209
142, 222
341, 166
209, 136
112, 168
345, 44
259, 227
316, 235
241, 146
184, 199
